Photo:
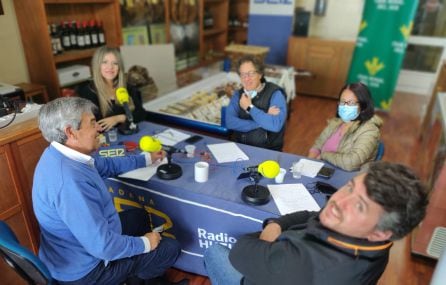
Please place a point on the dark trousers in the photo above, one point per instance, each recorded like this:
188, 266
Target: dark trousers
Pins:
145, 266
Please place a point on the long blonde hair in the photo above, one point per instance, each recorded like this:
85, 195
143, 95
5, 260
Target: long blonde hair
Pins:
100, 83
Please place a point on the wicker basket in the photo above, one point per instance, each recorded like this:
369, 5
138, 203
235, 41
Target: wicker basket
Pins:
235, 52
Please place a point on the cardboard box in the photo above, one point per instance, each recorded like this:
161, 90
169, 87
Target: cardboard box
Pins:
73, 74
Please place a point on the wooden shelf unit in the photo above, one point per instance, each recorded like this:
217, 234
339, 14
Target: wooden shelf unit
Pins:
238, 10
213, 41
33, 18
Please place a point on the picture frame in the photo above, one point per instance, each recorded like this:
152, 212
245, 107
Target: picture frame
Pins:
1, 8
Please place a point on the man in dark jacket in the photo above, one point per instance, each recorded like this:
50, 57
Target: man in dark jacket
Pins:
347, 242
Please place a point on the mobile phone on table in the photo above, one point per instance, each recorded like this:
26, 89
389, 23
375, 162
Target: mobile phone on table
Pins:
326, 172
193, 139
325, 188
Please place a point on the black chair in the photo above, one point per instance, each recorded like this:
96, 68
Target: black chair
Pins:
380, 153
21, 259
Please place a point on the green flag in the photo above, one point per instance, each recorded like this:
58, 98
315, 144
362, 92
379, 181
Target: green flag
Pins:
380, 47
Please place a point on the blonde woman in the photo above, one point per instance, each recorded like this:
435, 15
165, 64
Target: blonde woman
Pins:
108, 75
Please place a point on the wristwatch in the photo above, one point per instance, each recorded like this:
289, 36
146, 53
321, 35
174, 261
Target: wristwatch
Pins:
249, 108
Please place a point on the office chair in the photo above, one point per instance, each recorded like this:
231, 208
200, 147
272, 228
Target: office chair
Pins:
21, 259
380, 153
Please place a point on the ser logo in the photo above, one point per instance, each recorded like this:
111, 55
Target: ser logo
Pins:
113, 152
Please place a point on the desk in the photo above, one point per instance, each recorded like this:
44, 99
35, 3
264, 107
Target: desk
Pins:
200, 214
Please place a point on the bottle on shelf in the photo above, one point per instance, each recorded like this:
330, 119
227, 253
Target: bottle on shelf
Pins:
87, 37
101, 34
56, 39
208, 19
80, 36
65, 32
53, 46
73, 34
94, 33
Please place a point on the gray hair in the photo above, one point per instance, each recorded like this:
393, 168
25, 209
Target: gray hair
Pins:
57, 115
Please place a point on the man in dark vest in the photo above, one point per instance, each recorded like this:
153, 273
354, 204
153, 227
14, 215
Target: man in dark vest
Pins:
257, 112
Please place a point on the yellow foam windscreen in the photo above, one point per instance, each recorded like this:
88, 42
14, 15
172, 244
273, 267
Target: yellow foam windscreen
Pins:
122, 95
150, 144
269, 168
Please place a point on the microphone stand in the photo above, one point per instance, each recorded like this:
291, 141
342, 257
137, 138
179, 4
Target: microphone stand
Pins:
255, 194
170, 170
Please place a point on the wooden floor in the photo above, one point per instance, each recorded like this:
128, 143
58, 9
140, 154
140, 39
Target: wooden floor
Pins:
400, 135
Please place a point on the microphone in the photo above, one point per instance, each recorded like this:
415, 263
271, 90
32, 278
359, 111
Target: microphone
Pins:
152, 144
167, 171
268, 168
123, 98
258, 194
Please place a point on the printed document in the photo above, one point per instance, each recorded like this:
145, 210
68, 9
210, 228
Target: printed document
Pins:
171, 137
144, 173
290, 198
309, 168
227, 152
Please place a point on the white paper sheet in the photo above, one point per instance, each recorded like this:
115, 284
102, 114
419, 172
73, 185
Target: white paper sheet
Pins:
144, 173
227, 152
310, 168
171, 137
290, 198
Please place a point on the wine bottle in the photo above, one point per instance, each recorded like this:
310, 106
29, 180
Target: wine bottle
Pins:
53, 43
56, 38
73, 34
66, 41
101, 34
87, 36
80, 36
94, 33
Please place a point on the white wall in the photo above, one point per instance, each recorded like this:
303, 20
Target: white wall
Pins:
13, 68
341, 20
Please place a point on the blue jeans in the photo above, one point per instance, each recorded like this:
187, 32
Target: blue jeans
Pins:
144, 266
219, 268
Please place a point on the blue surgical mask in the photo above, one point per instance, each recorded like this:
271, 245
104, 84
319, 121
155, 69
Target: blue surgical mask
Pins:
251, 93
348, 113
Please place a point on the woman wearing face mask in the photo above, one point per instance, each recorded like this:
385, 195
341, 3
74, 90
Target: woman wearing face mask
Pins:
351, 139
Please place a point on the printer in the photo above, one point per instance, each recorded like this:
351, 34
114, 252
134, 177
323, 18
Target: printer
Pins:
10, 96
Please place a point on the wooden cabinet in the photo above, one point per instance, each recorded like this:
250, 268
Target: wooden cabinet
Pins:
327, 60
20, 148
33, 18
213, 40
238, 21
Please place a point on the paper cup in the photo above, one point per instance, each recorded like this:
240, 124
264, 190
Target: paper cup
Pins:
279, 178
190, 149
201, 171
112, 135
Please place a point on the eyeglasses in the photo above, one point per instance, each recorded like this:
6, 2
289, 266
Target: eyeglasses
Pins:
249, 74
348, 103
